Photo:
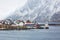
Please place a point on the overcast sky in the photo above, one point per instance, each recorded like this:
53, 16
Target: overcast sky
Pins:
8, 6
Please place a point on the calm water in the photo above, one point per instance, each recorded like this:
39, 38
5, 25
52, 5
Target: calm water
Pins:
34, 34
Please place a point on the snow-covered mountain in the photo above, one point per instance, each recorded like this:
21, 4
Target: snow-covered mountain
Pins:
56, 17
37, 10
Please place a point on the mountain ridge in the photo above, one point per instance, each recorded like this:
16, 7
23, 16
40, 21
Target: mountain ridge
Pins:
40, 11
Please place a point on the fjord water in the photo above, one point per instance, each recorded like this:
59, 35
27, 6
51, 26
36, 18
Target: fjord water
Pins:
53, 33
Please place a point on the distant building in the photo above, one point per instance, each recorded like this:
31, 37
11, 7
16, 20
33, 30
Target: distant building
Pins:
37, 25
7, 21
28, 21
19, 22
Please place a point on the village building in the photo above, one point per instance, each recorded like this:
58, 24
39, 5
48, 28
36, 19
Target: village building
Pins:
28, 21
19, 22
7, 21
